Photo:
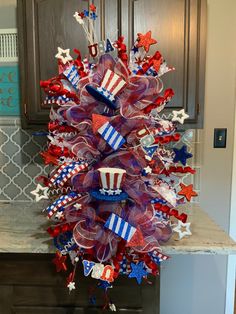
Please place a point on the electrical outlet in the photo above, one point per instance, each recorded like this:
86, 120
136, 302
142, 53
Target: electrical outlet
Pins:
220, 136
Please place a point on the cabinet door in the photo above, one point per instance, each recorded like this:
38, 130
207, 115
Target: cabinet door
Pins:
178, 25
44, 25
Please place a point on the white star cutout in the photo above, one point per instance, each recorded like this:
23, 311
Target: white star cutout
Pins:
40, 193
102, 191
60, 56
179, 229
77, 206
148, 169
179, 116
71, 285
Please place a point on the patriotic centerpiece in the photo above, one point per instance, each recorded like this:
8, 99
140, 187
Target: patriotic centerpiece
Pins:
117, 166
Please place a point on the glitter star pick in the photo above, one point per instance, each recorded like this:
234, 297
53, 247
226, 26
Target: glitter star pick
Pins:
187, 191
146, 41
138, 272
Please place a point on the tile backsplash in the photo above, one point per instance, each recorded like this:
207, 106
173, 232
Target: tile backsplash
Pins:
20, 162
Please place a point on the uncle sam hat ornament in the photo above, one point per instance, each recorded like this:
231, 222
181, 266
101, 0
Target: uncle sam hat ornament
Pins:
111, 85
111, 180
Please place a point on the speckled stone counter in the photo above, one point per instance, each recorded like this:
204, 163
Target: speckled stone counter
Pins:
23, 230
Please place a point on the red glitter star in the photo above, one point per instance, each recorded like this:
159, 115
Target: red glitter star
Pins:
187, 191
146, 41
59, 261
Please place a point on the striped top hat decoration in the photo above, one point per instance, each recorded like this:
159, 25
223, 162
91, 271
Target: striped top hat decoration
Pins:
111, 180
111, 85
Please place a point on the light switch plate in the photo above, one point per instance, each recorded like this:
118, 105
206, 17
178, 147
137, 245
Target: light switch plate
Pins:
220, 137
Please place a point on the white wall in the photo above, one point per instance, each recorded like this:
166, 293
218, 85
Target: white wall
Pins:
197, 284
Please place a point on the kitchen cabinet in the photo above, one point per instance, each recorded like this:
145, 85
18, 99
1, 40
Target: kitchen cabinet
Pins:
29, 284
178, 25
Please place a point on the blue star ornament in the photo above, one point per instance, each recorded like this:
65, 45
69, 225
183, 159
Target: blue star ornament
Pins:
137, 272
182, 155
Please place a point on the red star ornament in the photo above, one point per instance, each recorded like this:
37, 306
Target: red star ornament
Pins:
187, 191
92, 7
49, 159
59, 261
146, 41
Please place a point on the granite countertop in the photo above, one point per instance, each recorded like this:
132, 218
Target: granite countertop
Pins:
23, 230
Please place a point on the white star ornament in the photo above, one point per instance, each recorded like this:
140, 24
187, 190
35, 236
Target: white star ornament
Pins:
60, 55
179, 116
183, 229
40, 193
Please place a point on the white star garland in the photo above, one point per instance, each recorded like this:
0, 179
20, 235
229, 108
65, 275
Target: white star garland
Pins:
60, 56
179, 229
179, 116
40, 193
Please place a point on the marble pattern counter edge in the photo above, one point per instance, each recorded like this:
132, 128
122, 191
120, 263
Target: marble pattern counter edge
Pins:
23, 230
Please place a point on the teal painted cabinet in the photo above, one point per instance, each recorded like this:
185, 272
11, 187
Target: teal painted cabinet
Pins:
9, 91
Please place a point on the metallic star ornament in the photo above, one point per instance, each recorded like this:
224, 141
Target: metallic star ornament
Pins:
179, 116
40, 193
145, 40
60, 56
183, 229
138, 272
